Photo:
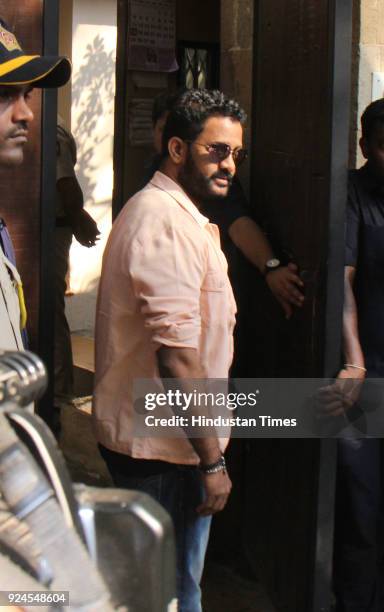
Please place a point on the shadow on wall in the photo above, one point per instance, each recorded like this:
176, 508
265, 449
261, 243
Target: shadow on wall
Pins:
93, 92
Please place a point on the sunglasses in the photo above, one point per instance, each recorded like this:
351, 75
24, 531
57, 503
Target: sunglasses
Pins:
219, 151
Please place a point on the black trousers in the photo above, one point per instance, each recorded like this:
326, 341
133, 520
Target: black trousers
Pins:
358, 562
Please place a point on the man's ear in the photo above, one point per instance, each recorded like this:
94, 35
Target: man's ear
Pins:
364, 147
177, 150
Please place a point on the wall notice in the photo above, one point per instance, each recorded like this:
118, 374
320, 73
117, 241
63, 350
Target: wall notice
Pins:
140, 122
152, 35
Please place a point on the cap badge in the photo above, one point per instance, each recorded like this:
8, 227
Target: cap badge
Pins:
8, 40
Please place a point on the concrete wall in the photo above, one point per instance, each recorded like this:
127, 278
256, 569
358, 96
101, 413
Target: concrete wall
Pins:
197, 21
368, 57
93, 34
236, 60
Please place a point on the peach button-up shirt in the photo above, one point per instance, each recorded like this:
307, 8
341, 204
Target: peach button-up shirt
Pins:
164, 282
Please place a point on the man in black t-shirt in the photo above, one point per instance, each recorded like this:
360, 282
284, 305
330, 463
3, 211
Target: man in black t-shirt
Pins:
359, 544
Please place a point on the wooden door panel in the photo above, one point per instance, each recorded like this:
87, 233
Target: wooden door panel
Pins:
299, 163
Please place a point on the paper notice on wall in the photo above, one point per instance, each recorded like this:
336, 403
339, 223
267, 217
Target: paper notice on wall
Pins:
152, 35
140, 122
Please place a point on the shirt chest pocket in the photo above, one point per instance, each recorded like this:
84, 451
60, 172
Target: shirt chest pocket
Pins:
213, 300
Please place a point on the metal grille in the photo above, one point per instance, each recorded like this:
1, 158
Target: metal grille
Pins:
196, 68
198, 65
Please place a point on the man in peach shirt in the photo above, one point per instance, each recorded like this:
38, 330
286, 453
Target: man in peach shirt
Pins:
166, 309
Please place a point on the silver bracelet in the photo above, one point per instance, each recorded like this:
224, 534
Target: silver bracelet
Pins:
213, 468
352, 365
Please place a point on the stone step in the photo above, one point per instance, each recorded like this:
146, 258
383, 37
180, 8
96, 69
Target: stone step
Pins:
79, 446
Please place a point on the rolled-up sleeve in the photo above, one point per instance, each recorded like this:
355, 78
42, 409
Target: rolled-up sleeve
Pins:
166, 269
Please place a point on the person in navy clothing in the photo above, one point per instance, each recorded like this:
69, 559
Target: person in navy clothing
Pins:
358, 569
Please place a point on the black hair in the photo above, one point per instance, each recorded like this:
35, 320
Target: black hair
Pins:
163, 103
192, 109
371, 117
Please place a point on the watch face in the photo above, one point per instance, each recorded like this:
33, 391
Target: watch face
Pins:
273, 263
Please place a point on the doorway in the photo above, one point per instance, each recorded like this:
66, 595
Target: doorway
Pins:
88, 35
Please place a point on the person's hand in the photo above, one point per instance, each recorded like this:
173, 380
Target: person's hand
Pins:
337, 398
286, 286
217, 489
85, 229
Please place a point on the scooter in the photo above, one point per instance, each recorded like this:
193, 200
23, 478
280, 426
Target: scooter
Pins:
66, 546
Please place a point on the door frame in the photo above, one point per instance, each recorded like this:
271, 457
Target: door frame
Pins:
47, 210
340, 12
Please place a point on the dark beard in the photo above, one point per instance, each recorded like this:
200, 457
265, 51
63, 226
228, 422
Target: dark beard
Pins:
196, 185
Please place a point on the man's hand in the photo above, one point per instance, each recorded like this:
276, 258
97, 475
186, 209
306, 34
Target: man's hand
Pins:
71, 199
217, 489
286, 286
85, 229
338, 398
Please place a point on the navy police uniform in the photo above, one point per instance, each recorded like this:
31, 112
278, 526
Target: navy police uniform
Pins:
359, 545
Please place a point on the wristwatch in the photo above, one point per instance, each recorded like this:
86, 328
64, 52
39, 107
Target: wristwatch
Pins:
271, 264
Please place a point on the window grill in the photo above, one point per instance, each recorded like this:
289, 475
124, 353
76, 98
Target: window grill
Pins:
199, 65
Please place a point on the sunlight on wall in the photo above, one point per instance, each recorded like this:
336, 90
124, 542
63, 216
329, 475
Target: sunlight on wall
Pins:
92, 120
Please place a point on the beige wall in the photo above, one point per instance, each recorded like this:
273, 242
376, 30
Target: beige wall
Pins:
92, 122
236, 60
368, 51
